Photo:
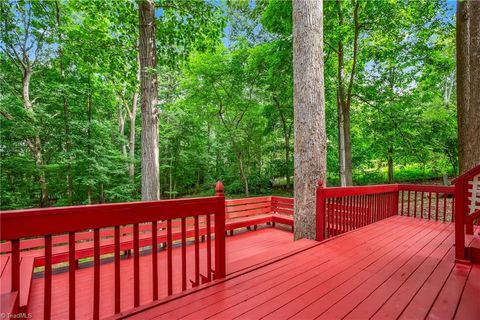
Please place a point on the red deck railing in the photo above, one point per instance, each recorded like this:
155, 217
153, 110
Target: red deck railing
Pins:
427, 202
467, 208
165, 220
342, 209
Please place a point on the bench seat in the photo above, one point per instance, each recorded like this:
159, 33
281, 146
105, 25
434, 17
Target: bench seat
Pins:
26, 272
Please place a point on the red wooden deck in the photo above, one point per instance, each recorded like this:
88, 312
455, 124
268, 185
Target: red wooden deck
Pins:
399, 267
244, 250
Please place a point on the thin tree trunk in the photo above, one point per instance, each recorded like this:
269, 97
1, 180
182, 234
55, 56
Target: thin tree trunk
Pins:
35, 144
344, 99
309, 109
148, 98
468, 83
131, 140
390, 165
121, 129
286, 138
243, 176
68, 140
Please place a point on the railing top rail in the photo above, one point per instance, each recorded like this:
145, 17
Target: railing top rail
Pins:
39, 222
467, 175
426, 188
358, 190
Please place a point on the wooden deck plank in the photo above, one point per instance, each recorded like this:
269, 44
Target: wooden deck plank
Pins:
469, 306
359, 286
268, 272
285, 303
389, 278
448, 299
307, 275
249, 247
398, 267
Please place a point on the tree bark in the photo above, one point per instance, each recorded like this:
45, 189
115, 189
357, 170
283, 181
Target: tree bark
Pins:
148, 98
309, 112
468, 83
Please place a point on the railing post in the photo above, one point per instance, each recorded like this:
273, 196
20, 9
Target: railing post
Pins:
320, 211
220, 250
459, 221
395, 201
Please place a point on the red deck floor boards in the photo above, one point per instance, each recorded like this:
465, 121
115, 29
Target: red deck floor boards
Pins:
243, 250
398, 267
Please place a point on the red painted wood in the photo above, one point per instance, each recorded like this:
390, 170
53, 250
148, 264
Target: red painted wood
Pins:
154, 261
72, 266
37, 222
47, 304
169, 257
96, 274
117, 287
209, 248
184, 255
197, 254
469, 308
380, 265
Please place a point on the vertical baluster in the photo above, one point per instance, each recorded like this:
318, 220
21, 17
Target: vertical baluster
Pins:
403, 196
337, 216
72, 264
169, 257
136, 265
209, 249
96, 273
363, 209
47, 304
16, 270
155, 260
332, 217
453, 209
429, 205
341, 207
351, 213
184, 254
415, 205
355, 210
408, 204
421, 205
444, 207
197, 252
117, 268
436, 206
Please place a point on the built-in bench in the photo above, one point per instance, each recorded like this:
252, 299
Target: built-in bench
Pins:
9, 296
240, 213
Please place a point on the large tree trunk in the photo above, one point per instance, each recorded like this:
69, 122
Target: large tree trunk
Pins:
148, 98
309, 112
468, 83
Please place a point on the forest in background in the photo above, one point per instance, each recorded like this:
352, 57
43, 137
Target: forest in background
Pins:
69, 97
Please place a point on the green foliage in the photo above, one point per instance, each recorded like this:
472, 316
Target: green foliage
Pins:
226, 109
